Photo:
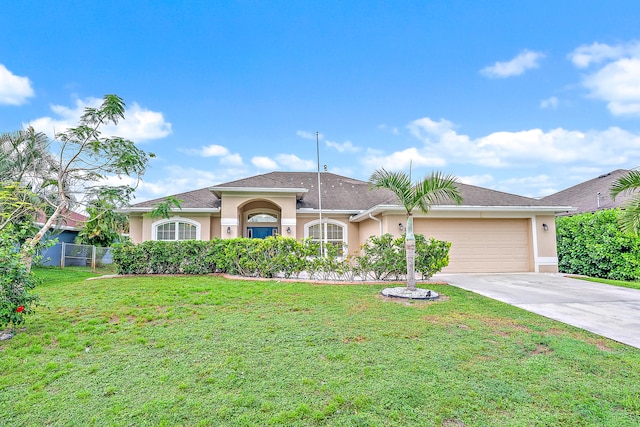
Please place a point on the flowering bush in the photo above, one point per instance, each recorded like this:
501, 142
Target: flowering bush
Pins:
16, 281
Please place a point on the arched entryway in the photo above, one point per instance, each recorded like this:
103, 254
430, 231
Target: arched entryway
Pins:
260, 219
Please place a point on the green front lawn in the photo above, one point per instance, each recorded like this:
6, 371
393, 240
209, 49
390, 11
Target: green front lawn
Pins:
621, 283
207, 351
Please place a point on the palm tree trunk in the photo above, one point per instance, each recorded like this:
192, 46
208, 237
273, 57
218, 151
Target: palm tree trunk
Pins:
410, 248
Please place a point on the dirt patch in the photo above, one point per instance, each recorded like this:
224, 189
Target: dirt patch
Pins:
542, 349
602, 344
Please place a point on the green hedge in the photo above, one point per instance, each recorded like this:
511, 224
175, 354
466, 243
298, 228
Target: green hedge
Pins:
380, 258
592, 244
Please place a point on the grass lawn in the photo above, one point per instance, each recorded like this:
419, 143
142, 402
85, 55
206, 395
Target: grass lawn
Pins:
624, 284
207, 351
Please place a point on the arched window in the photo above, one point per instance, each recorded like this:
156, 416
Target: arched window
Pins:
335, 233
262, 217
176, 229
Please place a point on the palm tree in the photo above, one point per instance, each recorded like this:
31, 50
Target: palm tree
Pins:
433, 189
627, 184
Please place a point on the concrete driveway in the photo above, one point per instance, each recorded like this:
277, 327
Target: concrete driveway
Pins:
610, 311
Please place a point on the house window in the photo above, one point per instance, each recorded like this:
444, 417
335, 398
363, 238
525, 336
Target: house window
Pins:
176, 229
334, 234
261, 217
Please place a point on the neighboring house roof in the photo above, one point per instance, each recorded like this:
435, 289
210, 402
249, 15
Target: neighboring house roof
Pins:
591, 195
339, 193
67, 220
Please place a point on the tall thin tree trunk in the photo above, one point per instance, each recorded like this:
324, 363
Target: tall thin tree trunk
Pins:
29, 247
410, 247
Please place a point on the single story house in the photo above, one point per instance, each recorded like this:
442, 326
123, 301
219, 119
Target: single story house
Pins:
65, 230
490, 231
590, 196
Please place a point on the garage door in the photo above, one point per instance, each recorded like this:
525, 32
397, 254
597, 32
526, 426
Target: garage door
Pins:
483, 245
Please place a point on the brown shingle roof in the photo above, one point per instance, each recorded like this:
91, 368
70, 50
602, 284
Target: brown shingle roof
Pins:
591, 195
66, 219
338, 193
202, 198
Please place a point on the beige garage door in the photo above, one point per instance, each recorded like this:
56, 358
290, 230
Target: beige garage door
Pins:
483, 245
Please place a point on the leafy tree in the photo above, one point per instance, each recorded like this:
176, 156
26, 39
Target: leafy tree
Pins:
18, 205
83, 160
629, 183
105, 225
433, 189
25, 157
24, 160
163, 209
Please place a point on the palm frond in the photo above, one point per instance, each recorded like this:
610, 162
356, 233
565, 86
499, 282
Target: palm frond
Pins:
437, 188
628, 183
433, 189
630, 216
398, 182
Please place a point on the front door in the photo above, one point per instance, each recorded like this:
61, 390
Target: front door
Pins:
261, 232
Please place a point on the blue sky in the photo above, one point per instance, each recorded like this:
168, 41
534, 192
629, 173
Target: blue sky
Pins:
527, 97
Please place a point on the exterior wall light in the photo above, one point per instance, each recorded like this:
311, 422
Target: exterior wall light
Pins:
289, 230
228, 230
545, 227
400, 226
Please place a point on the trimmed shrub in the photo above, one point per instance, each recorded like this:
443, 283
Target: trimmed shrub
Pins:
592, 244
382, 258
385, 257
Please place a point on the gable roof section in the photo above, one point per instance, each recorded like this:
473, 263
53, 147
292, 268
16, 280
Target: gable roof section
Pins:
196, 199
339, 193
591, 195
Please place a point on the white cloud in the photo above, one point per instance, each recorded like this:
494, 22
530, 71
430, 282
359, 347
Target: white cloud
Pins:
484, 180
212, 150
551, 103
618, 83
293, 162
266, 163
585, 55
345, 147
309, 135
140, 124
616, 80
524, 61
393, 130
14, 90
176, 179
232, 160
530, 186
283, 161
613, 146
400, 160
342, 171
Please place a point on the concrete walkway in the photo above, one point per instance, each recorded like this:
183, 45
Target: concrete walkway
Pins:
610, 311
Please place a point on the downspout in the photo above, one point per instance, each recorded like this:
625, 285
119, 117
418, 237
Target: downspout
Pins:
378, 220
